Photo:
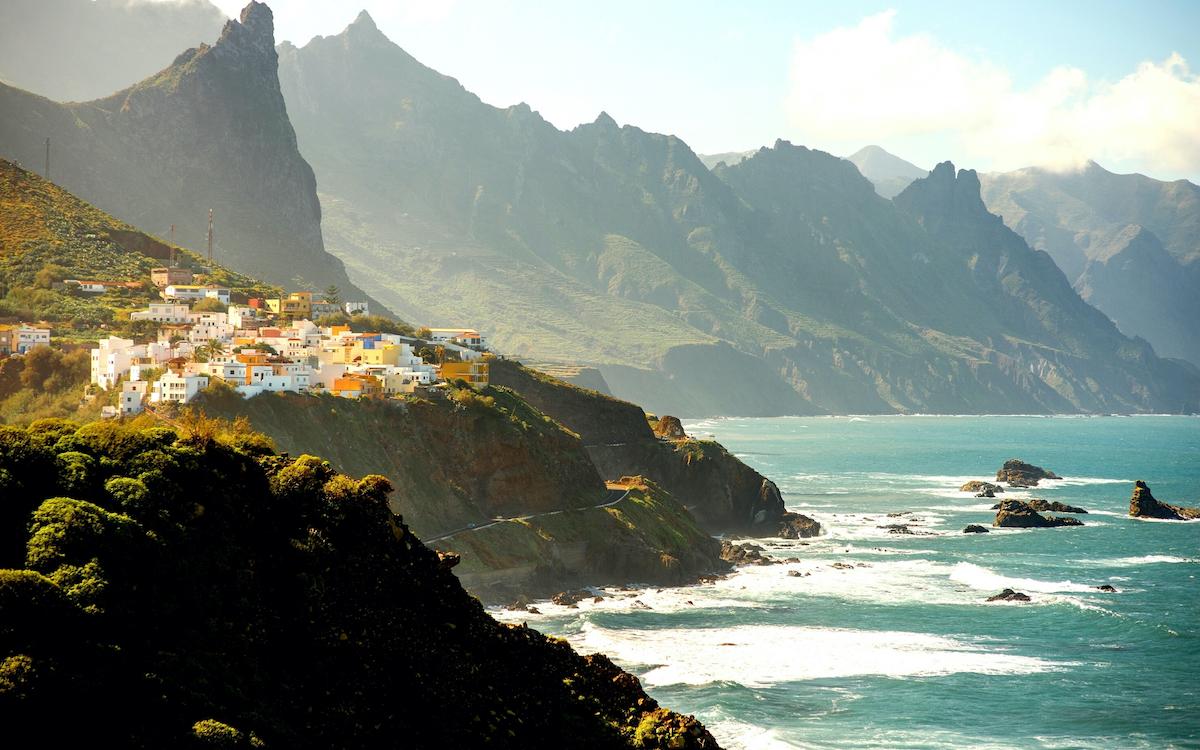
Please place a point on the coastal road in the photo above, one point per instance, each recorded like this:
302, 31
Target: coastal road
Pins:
616, 493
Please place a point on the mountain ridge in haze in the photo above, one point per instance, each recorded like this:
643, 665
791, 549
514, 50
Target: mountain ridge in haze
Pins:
780, 284
209, 131
1129, 244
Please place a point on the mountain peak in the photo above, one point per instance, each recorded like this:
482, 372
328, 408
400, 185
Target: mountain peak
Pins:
364, 20
605, 119
253, 32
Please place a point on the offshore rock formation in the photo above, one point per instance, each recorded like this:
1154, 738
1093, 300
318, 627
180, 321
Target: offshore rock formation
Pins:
212, 593
1143, 504
1020, 474
977, 485
1016, 514
1008, 595
209, 131
725, 495
975, 529
1042, 506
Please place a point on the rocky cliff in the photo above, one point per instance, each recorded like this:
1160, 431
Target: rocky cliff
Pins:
209, 131
194, 589
488, 476
725, 495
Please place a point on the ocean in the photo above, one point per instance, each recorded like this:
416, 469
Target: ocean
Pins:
895, 647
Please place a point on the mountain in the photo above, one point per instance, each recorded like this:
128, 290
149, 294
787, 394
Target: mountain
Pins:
189, 587
210, 131
729, 157
1129, 244
75, 50
887, 172
782, 284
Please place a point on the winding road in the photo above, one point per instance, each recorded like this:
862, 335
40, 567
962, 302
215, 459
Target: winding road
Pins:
617, 493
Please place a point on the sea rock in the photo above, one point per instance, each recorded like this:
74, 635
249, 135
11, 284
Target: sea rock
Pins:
798, 526
745, 554
796, 574
1008, 595
1107, 587
842, 566
570, 598
986, 493
670, 428
978, 485
975, 529
1020, 474
638, 604
896, 528
1144, 505
1042, 506
1015, 514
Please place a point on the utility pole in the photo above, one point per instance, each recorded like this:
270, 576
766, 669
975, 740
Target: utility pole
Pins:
172, 257
210, 230
46, 172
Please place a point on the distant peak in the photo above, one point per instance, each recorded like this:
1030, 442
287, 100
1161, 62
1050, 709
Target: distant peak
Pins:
943, 171
254, 30
364, 20
605, 119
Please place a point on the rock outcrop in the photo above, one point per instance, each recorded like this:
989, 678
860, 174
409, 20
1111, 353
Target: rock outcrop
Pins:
978, 485
1143, 504
1042, 506
1015, 514
725, 495
1008, 595
975, 528
1017, 473
670, 428
745, 554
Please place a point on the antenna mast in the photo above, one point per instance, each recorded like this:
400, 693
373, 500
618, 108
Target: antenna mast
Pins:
210, 232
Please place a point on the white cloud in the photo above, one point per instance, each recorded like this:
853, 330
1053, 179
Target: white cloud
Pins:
866, 84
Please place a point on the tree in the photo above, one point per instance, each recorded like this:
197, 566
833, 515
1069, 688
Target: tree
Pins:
333, 295
48, 275
210, 304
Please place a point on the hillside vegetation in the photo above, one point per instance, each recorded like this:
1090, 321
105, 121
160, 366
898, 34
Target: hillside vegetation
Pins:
192, 588
48, 235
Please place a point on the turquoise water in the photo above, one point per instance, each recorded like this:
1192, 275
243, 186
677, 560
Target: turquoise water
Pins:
895, 647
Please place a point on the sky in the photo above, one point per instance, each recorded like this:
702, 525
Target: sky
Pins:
991, 86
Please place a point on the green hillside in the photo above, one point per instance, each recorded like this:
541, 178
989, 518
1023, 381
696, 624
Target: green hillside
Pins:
191, 588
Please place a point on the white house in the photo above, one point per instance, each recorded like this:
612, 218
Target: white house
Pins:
162, 312
25, 337
355, 308
189, 292
209, 326
463, 336
112, 359
177, 388
132, 394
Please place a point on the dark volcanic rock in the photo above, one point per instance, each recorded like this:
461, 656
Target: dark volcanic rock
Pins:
978, 485
1020, 474
986, 493
571, 598
896, 528
745, 554
1016, 514
798, 526
1008, 595
1106, 587
975, 529
1144, 505
1042, 506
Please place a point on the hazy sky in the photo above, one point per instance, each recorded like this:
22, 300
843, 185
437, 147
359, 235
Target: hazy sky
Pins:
993, 86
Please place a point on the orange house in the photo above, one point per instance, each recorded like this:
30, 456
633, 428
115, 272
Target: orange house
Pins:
354, 385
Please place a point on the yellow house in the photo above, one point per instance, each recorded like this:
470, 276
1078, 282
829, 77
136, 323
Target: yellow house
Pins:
475, 373
354, 385
295, 305
357, 354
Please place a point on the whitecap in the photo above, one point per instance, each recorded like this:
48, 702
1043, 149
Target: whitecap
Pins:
982, 579
764, 655
1129, 562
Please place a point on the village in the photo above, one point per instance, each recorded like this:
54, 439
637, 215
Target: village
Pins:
197, 336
